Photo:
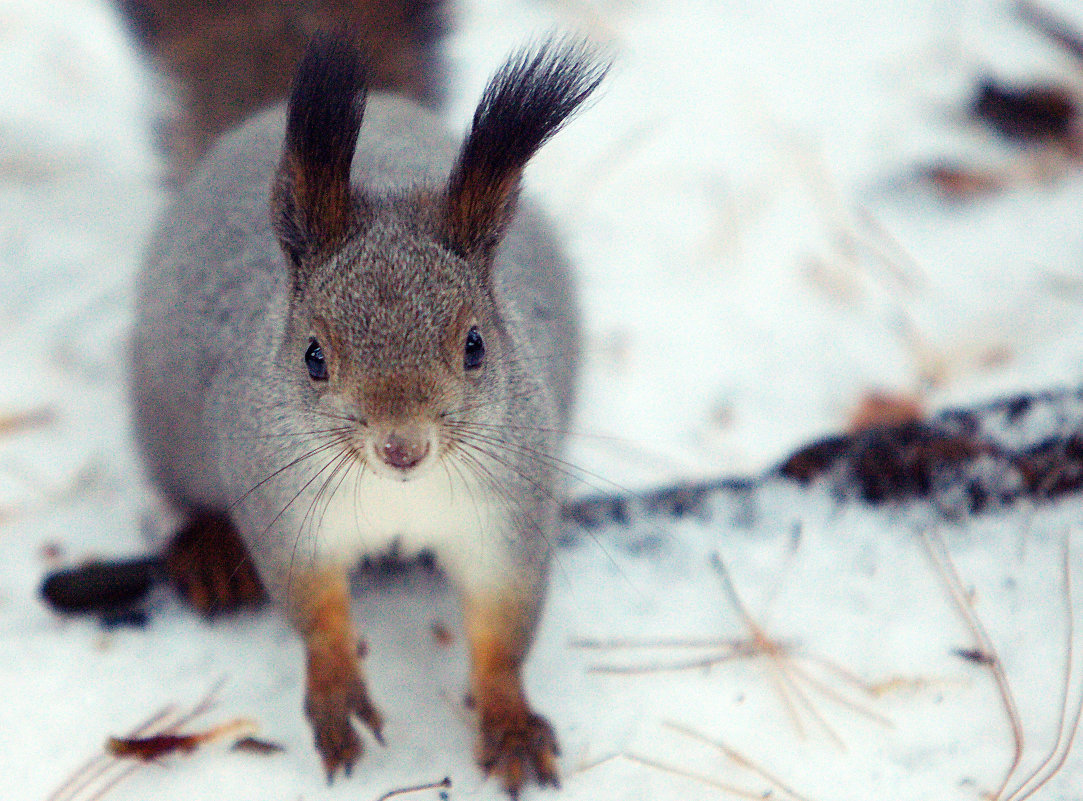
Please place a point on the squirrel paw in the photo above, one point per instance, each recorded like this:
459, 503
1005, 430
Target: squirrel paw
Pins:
328, 710
513, 747
209, 566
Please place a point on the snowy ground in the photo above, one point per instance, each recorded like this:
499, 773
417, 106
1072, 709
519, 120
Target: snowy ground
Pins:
756, 256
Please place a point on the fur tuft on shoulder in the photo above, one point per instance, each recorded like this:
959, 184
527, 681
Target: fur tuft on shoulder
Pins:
528, 100
313, 204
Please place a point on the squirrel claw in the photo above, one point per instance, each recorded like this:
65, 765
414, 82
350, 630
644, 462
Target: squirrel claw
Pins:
377, 734
338, 745
336, 739
515, 748
369, 714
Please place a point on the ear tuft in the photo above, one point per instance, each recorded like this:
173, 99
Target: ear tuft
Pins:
312, 204
528, 100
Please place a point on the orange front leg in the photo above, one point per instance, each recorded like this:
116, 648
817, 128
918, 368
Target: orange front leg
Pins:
335, 688
514, 743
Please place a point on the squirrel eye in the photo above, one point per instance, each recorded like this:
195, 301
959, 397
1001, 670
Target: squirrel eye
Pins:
317, 365
474, 352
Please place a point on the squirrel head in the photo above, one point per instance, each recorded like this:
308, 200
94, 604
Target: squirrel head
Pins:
395, 327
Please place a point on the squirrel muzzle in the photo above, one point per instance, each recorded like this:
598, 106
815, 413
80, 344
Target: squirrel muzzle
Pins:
403, 449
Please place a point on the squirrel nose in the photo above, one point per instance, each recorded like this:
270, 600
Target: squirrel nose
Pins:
402, 452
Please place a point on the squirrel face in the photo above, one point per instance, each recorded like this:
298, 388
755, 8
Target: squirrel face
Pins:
394, 323
401, 339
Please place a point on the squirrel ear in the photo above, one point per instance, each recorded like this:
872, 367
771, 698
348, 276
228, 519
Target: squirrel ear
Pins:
312, 204
526, 102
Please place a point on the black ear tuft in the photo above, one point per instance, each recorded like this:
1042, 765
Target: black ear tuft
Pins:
312, 204
526, 102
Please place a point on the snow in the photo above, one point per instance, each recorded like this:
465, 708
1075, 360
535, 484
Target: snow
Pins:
755, 255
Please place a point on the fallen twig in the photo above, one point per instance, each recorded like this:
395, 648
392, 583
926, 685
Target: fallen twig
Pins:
443, 784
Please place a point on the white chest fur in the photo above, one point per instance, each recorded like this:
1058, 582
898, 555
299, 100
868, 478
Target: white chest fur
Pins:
460, 520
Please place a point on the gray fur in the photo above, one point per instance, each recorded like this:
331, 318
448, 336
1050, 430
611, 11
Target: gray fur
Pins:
222, 398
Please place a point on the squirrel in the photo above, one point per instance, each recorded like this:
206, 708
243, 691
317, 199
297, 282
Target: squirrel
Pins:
354, 337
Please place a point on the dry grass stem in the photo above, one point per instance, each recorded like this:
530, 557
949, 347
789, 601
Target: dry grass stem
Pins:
1066, 730
896, 684
85, 778
737, 758
945, 569
628, 643
1067, 723
726, 651
597, 762
696, 777
95, 778
790, 675
831, 693
863, 246
704, 663
792, 681
905, 270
